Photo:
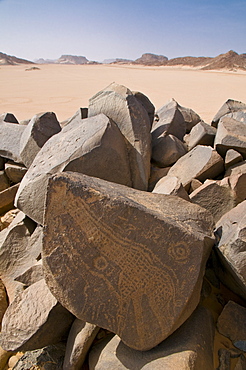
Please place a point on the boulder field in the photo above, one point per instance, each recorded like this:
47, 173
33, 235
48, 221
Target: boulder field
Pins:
123, 237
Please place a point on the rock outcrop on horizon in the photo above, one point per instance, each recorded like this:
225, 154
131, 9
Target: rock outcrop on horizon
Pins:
127, 247
12, 60
151, 59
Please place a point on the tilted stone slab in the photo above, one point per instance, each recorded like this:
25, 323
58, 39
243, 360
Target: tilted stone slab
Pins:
232, 157
171, 185
229, 106
125, 260
201, 163
10, 136
231, 134
94, 146
41, 127
7, 197
34, 319
237, 179
166, 150
201, 134
118, 103
146, 103
231, 249
189, 348
190, 116
170, 120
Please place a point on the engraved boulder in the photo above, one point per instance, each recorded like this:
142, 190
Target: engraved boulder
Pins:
128, 261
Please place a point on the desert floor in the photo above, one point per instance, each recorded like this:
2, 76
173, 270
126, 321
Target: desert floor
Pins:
64, 88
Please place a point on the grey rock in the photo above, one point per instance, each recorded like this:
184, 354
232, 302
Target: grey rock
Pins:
191, 117
3, 301
92, 233
200, 163
8, 117
169, 120
34, 320
94, 146
80, 339
166, 150
156, 173
171, 185
41, 127
232, 157
47, 358
15, 171
10, 136
201, 134
190, 347
224, 359
229, 106
81, 113
237, 180
119, 104
7, 198
146, 103
32, 274
231, 249
232, 324
4, 181
195, 184
231, 134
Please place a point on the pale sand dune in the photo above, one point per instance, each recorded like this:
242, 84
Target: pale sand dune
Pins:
64, 88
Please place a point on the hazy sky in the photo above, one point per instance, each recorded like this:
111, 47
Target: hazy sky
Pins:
101, 29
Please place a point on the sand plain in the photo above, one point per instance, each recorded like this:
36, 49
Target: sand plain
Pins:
64, 88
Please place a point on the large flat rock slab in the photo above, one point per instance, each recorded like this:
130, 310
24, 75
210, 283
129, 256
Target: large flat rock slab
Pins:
106, 267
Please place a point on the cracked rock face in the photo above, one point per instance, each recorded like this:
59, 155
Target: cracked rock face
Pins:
142, 288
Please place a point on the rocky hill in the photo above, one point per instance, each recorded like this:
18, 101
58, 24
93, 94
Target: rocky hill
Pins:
72, 59
11, 60
152, 59
230, 60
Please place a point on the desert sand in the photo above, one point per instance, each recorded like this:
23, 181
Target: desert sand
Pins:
64, 88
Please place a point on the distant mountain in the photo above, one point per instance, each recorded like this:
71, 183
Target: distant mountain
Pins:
72, 59
44, 61
151, 59
189, 61
11, 60
229, 60
122, 61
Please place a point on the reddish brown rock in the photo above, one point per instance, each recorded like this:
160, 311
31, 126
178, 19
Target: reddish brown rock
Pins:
7, 198
105, 267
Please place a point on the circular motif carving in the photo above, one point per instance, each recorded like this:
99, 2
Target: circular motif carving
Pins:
100, 263
179, 252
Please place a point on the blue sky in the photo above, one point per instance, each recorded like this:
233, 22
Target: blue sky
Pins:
102, 29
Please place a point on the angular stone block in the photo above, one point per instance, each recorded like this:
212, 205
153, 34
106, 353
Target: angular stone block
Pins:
15, 171
10, 136
232, 157
201, 134
7, 198
105, 267
171, 185
229, 106
166, 150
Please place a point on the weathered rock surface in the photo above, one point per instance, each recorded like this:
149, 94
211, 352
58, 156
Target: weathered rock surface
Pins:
232, 324
231, 249
200, 163
146, 103
118, 103
96, 244
3, 301
32, 274
4, 181
231, 134
7, 198
37, 317
237, 179
189, 348
171, 185
80, 339
229, 106
41, 127
8, 117
166, 150
201, 134
232, 157
15, 171
156, 173
169, 120
10, 136
190, 116
216, 196
93, 146
47, 358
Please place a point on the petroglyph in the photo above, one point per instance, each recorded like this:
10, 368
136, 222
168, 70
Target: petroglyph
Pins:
126, 279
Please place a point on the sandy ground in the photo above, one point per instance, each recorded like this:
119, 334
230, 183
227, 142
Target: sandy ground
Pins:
64, 88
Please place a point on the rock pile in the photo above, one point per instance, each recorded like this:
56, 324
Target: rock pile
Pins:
126, 246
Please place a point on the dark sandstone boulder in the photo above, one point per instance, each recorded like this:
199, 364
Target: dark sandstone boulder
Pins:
107, 268
15, 171
119, 103
166, 150
8, 117
228, 107
232, 157
10, 136
41, 127
94, 146
146, 103
201, 134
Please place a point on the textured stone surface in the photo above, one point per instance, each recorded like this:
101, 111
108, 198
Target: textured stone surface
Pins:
237, 179
232, 157
171, 185
3, 300
231, 248
7, 218
156, 173
169, 120
118, 103
7, 198
201, 134
4, 181
190, 116
41, 127
231, 134
200, 163
34, 319
93, 146
189, 348
15, 171
10, 136
229, 106
80, 338
216, 196
146, 103
166, 150
126, 279
232, 324
31, 275
47, 358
